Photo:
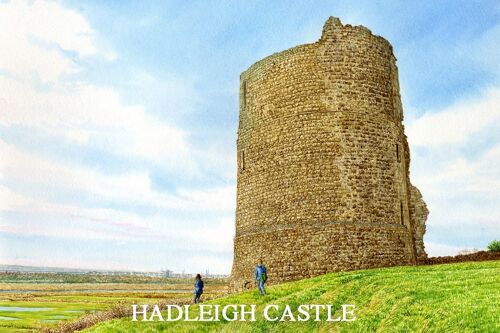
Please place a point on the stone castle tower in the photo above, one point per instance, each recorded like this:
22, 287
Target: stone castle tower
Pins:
323, 182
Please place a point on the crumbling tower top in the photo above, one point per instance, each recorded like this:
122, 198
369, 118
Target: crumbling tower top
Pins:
332, 24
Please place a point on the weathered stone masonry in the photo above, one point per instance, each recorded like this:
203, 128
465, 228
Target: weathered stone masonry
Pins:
323, 182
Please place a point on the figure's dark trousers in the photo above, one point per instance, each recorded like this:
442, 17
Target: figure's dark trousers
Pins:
197, 298
262, 288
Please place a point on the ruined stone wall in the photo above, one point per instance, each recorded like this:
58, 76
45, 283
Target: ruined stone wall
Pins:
419, 213
323, 161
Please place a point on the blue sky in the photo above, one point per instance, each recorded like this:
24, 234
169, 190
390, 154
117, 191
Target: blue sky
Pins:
118, 122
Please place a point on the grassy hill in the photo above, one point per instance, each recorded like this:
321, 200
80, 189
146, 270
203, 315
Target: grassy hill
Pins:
461, 297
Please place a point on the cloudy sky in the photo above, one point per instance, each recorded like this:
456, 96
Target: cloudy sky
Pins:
118, 122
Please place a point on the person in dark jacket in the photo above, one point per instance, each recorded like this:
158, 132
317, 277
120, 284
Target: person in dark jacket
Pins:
198, 288
261, 277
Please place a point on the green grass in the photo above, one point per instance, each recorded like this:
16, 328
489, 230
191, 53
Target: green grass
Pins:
29, 320
461, 297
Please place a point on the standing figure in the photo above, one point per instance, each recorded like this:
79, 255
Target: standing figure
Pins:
198, 288
261, 277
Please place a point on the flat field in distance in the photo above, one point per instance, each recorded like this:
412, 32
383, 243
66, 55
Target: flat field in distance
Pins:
30, 301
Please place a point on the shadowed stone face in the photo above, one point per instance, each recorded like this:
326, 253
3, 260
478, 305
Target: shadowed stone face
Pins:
323, 162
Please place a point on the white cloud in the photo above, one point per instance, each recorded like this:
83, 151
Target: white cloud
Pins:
103, 264
32, 36
72, 221
223, 198
456, 165
79, 113
43, 41
440, 250
127, 188
486, 52
457, 123
32, 33
11, 201
75, 221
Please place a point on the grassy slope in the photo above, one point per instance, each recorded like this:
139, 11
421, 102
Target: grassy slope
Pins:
443, 298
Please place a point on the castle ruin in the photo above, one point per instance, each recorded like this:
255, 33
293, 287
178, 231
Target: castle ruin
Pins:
323, 182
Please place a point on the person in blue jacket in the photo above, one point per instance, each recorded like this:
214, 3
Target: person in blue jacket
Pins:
198, 288
261, 277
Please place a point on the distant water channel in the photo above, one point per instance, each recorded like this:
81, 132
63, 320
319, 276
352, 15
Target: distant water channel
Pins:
22, 309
